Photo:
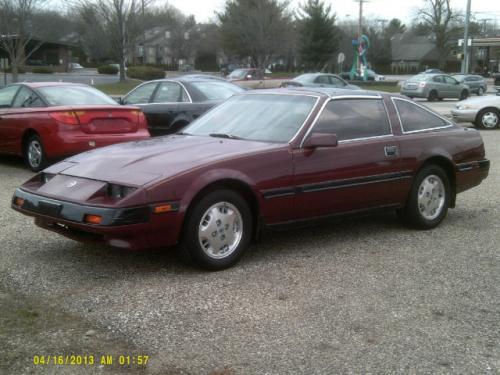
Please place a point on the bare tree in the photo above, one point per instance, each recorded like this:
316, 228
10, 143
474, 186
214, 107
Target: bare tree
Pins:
258, 29
439, 17
121, 21
16, 31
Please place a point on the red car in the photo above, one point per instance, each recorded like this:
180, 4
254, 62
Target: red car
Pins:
261, 159
47, 120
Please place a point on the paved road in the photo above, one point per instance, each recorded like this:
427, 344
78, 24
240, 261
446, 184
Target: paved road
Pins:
356, 296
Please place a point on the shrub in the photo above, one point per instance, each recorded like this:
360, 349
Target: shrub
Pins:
145, 73
20, 70
42, 70
107, 69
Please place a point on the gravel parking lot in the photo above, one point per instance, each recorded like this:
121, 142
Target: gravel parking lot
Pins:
362, 295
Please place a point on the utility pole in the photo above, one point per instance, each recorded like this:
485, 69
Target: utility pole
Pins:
465, 62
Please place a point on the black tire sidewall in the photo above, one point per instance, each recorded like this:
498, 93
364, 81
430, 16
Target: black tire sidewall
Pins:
479, 120
433, 96
464, 95
26, 151
190, 244
411, 213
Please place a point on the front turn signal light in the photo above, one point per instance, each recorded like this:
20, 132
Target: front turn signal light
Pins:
163, 208
92, 219
19, 202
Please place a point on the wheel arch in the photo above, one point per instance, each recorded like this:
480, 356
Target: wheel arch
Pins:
28, 133
233, 184
449, 168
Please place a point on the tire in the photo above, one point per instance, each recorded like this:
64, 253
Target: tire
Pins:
207, 231
34, 153
480, 91
488, 119
429, 199
464, 95
433, 96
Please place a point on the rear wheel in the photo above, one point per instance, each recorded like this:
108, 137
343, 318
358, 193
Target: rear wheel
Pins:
488, 118
433, 96
429, 199
34, 153
464, 95
217, 231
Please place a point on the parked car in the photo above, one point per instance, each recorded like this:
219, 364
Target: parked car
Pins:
476, 84
203, 76
484, 112
75, 66
262, 159
48, 120
434, 87
370, 76
432, 71
319, 80
252, 78
171, 104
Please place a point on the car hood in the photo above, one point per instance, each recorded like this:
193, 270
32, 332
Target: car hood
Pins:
481, 101
142, 162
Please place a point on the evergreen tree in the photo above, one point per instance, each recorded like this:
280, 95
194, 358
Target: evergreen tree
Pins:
318, 39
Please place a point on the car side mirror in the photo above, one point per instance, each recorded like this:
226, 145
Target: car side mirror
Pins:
249, 76
316, 140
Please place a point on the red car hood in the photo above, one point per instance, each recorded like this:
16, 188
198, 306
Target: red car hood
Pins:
142, 162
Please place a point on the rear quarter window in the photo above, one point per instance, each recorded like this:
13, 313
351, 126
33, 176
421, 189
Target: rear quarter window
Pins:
415, 118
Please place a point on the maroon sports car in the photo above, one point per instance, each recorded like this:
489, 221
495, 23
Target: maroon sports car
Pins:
261, 159
47, 120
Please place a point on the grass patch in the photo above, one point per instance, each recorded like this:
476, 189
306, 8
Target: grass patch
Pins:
118, 88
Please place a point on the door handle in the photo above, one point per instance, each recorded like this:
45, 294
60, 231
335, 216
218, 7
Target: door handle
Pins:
391, 150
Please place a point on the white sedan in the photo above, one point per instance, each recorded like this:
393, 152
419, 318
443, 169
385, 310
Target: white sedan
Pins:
483, 111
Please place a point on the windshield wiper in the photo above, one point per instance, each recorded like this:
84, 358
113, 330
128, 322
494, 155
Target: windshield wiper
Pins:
224, 135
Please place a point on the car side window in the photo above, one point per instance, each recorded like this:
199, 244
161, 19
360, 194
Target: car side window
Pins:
438, 79
353, 119
169, 92
322, 80
7, 95
415, 118
141, 94
26, 98
450, 80
337, 82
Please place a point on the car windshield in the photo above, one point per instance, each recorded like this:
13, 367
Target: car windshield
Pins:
257, 117
304, 78
215, 90
238, 73
74, 95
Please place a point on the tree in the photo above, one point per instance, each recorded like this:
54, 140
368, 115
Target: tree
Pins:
255, 28
318, 39
394, 27
16, 31
438, 16
120, 20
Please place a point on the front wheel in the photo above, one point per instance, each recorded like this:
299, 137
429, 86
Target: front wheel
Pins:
217, 231
464, 95
488, 118
429, 199
433, 96
34, 153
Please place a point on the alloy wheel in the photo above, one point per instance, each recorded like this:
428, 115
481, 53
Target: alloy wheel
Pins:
431, 197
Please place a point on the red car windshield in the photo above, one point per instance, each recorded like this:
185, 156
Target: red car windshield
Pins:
256, 117
74, 95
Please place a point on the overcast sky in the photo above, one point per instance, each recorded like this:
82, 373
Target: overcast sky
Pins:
204, 10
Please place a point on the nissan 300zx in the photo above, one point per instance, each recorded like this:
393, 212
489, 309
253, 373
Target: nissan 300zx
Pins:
262, 159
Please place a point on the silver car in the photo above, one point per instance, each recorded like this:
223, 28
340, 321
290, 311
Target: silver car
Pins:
319, 80
474, 82
484, 112
434, 87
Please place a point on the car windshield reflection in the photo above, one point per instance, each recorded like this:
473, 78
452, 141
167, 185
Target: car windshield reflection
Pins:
256, 117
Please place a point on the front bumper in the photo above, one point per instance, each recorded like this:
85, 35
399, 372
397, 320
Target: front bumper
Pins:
464, 115
129, 228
